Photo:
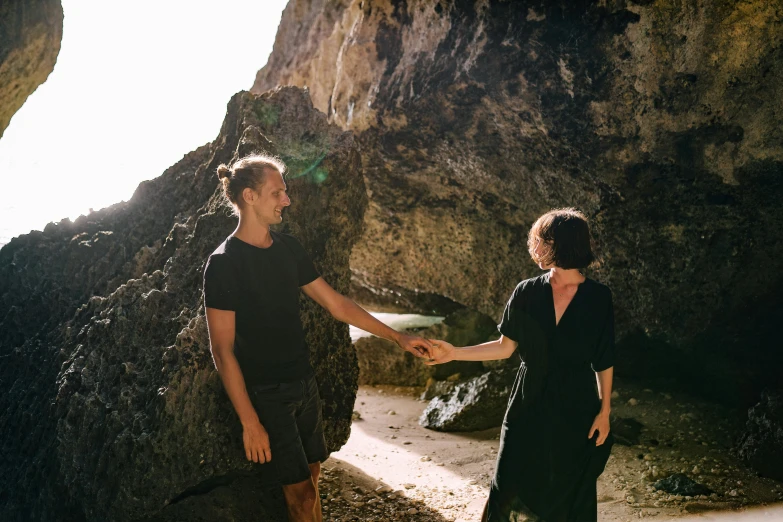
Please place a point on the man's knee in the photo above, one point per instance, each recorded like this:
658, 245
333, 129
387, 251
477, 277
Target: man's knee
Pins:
300, 496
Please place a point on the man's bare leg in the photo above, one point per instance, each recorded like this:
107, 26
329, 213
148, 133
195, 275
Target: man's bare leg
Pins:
301, 499
315, 471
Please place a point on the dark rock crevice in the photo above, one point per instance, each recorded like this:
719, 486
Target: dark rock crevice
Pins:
658, 120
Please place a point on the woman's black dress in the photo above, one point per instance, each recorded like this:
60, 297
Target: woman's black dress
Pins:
547, 467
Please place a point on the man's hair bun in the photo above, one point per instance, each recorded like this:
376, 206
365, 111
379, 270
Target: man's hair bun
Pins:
223, 172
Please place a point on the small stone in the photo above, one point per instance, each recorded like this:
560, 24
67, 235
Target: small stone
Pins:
409, 485
615, 394
695, 470
425, 458
391, 412
356, 415
412, 511
632, 402
733, 493
407, 443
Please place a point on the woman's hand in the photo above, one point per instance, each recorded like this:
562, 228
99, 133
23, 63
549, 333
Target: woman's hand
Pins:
440, 352
601, 425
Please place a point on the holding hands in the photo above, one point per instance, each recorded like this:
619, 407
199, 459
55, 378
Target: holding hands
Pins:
414, 344
440, 352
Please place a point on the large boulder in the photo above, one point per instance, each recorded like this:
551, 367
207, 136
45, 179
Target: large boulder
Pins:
30, 35
761, 444
474, 404
111, 405
659, 119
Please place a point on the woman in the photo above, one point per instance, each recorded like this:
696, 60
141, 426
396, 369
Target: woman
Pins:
555, 438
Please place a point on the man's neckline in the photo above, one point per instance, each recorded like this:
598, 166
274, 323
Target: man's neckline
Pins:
232, 236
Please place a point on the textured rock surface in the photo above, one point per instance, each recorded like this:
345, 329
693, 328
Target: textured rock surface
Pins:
383, 362
111, 406
30, 34
681, 484
660, 119
761, 445
476, 404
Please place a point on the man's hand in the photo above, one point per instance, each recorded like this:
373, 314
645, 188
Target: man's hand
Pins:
414, 344
441, 352
601, 425
256, 442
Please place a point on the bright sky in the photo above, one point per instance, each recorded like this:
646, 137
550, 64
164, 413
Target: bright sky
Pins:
137, 85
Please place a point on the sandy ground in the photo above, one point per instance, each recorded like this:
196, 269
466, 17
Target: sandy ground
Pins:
393, 469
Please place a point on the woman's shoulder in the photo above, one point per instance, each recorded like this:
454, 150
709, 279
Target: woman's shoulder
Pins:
533, 282
528, 287
599, 289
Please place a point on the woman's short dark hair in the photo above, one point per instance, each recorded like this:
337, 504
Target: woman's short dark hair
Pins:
567, 238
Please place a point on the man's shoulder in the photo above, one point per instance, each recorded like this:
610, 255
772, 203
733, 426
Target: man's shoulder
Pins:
222, 255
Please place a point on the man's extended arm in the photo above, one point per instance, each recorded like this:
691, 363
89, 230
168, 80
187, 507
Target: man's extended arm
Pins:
345, 310
221, 325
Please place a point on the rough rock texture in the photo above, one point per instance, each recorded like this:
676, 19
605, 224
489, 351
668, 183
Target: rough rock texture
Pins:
383, 362
681, 484
660, 119
110, 406
30, 35
476, 404
762, 442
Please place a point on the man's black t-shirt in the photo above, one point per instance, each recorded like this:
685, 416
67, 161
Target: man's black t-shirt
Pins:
262, 286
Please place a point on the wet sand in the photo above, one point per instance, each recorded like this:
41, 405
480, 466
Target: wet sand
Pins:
393, 469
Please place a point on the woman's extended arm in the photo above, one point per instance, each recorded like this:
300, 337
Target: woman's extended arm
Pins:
443, 352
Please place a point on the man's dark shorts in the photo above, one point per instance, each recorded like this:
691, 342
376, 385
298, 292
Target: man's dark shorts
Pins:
291, 414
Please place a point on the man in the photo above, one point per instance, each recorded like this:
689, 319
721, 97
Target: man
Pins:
251, 294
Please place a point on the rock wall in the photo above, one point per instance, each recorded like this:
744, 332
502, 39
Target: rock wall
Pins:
660, 119
30, 35
110, 404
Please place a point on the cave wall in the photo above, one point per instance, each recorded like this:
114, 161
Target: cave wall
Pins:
30, 35
110, 404
660, 119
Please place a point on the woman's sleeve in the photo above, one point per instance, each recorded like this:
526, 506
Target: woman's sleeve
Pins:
510, 323
220, 287
604, 353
